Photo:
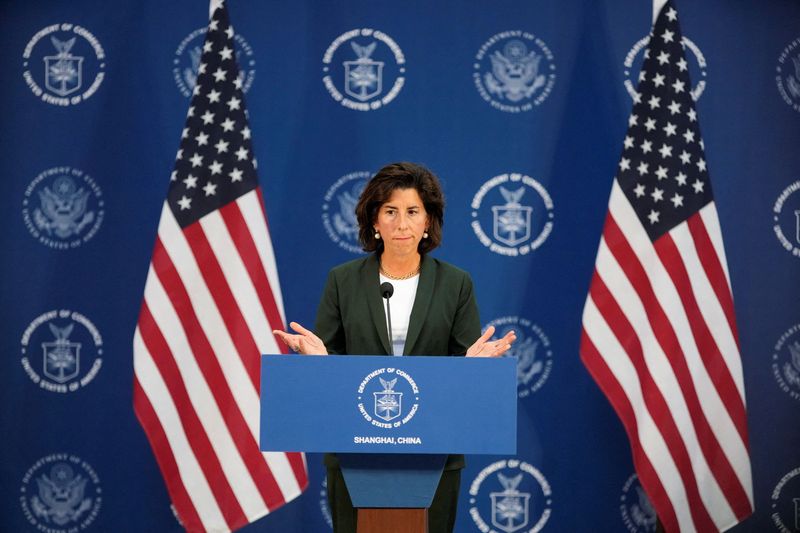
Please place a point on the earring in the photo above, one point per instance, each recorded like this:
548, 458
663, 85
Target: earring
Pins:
425, 235
377, 236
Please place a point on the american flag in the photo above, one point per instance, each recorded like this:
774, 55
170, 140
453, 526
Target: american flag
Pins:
211, 301
659, 332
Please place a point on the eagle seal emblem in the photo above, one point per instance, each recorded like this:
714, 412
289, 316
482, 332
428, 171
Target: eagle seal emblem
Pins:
514, 71
638, 513
787, 74
60, 493
63, 208
339, 210
791, 369
532, 350
793, 78
786, 362
61, 496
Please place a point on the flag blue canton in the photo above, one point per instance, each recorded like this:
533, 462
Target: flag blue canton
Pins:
215, 163
663, 169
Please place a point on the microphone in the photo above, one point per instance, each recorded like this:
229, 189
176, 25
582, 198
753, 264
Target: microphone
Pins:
387, 289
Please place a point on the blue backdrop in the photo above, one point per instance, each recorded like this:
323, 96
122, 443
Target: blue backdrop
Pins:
93, 100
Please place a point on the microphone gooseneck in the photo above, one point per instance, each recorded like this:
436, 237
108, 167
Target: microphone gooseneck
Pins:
387, 289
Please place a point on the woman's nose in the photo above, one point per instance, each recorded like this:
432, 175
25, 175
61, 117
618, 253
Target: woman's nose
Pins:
402, 221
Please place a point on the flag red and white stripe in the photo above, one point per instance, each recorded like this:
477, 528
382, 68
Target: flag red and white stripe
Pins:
659, 332
211, 300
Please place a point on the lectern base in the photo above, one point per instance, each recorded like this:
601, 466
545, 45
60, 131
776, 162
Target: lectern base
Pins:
392, 520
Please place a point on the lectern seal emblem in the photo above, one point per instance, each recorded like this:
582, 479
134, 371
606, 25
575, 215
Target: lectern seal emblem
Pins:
384, 402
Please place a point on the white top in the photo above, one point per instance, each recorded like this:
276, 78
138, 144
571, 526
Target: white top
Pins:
401, 302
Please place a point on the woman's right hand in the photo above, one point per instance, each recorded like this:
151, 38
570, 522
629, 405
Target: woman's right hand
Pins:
303, 342
483, 347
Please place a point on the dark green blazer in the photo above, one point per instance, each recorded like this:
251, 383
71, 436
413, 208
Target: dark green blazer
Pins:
444, 320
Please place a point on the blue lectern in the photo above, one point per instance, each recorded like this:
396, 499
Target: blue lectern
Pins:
391, 420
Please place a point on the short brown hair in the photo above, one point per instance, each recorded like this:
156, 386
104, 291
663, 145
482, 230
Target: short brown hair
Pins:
380, 188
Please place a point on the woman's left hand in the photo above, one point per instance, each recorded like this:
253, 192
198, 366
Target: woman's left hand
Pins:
483, 347
304, 342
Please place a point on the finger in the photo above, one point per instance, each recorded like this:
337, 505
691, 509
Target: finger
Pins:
503, 349
300, 329
282, 335
503, 345
299, 347
487, 334
307, 333
509, 337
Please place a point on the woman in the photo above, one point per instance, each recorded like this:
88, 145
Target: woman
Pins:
433, 308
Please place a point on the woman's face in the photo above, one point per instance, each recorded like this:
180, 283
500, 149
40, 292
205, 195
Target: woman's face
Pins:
401, 221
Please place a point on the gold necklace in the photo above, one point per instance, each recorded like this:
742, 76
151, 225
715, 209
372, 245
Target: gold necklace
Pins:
398, 278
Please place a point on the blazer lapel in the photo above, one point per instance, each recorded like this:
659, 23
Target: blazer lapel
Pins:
422, 301
371, 284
